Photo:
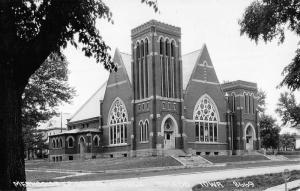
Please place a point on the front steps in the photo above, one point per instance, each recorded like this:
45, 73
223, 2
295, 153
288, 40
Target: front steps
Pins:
173, 152
193, 161
277, 157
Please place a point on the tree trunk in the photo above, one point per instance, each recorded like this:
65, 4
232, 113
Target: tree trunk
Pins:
12, 166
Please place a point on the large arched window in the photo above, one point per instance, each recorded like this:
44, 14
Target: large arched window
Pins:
53, 143
206, 120
57, 143
118, 119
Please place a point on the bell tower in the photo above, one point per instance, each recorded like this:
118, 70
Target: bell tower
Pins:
157, 85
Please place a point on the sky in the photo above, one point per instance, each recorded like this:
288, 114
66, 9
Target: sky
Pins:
213, 22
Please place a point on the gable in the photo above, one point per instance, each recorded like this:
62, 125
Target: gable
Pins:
123, 74
197, 66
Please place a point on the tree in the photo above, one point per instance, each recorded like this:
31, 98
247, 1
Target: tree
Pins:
261, 101
29, 32
269, 132
288, 109
287, 141
266, 20
47, 88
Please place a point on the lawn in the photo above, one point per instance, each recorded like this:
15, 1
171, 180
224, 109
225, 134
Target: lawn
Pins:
34, 176
292, 156
95, 165
249, 183
234, 158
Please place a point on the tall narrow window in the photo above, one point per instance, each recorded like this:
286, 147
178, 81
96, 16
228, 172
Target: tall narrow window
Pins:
146, 69
142, 75
118, 119
245, 104
249, 103
174, 72
167, 84
233, 102
206, 121
137, 71
253, 104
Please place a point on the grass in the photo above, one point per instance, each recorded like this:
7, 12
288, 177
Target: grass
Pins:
234, 158
292, 156
34, 176
251, 183
105, 164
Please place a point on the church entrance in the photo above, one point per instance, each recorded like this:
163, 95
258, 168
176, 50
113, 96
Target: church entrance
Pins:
169, 134
249, 138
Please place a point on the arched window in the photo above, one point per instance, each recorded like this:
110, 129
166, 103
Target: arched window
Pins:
118, 119
246, 102
96, 140
53, 143
173, 49
253, 104
60, 142
144, 131
146, 47
142, 49
138, 50
233, 102
206, 121
167, 47
161, 46
141, 127
57, 144
70, 142
137, 70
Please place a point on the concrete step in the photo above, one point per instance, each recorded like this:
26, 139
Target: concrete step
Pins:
277, 157
174, 152
193, 161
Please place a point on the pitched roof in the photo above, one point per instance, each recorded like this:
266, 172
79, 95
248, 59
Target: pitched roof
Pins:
188, 63
77, 130
126, 58
91, 108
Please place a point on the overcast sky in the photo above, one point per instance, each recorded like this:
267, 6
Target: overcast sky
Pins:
214, 22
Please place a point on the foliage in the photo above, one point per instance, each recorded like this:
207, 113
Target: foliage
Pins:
266, 20
261, 101
47, 88
288, 109
269, 132
287, 141
30, 31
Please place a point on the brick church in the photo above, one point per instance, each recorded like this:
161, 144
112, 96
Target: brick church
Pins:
161, 102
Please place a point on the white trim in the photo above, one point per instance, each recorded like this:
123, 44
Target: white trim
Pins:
205, 82
117, 83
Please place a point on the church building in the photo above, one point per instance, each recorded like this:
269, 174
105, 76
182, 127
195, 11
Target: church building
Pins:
161, 102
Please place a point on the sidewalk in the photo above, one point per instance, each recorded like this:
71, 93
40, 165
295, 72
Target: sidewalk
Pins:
174, 182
